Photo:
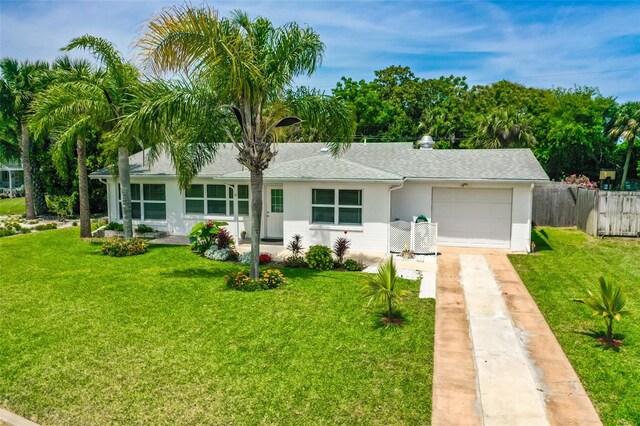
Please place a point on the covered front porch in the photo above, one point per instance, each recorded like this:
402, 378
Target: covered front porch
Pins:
11, 181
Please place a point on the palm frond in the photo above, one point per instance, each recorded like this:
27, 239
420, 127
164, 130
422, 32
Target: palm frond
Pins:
325, 119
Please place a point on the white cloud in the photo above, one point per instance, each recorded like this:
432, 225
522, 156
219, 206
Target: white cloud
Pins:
541, 44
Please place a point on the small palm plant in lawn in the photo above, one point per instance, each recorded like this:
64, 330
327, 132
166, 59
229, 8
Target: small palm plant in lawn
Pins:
609, 305
382, 289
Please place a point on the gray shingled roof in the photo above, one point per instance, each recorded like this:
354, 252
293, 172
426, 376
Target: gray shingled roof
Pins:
370, 162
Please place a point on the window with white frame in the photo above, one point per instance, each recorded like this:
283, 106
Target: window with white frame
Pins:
148, 201
336, 206
217, 200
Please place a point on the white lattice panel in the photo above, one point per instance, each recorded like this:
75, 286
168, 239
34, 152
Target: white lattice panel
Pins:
425, 236
399, 236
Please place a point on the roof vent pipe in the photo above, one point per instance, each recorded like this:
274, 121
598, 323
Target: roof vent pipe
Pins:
426, 142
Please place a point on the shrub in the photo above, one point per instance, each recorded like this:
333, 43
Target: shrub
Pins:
45, 227
143, 229
15, 226
26, 230
245, 258
295, 245
6, 232
319, 257
294, 261
272, 278
119, 248
203, 235
223, 239
353, 265
580, 180
97, 224
215, 253
61, 205
269, 279
241, 281
341, 247
74, 223
114, 226
233, 254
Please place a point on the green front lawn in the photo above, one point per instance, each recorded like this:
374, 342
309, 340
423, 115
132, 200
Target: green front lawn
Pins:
157, 339
10, 206
569, 262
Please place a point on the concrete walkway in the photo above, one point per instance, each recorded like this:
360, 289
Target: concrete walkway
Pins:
496, 361
11, 419
508, 392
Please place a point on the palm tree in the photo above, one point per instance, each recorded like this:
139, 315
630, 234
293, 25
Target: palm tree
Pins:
503, 128
18, 86
609, 305
625, 127
439, 123
68, 127
236, 73
382, 288
9, 145
100, 100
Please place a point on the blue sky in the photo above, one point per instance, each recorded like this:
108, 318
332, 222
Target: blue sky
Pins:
537, 43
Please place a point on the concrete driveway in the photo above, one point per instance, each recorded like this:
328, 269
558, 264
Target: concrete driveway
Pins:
496, 360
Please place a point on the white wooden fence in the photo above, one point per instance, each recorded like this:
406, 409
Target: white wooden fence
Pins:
609, 213
420, 238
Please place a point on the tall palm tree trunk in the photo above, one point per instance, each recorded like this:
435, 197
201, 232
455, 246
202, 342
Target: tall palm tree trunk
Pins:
256, 216
125, 188
25, 148
627, 161
83, 189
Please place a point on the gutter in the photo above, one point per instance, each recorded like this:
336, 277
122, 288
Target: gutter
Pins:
266, 179
497, 180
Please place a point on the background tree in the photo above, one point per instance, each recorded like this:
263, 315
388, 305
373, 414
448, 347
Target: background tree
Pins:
444, 115
373, 115
18, 86
68, 128
625, 127
574, 138
245, 68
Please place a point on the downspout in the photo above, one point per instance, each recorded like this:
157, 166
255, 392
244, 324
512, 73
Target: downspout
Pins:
108, 203
391, 188
235, 208
529, 248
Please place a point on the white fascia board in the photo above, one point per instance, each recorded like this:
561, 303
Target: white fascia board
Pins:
457, 180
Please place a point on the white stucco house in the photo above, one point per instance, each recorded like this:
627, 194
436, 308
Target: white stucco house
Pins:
478, 198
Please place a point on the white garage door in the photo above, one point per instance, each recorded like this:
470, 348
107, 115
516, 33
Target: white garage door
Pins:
472, 217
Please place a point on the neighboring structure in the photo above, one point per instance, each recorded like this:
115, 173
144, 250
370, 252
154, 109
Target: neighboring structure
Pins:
11, 180
479, 198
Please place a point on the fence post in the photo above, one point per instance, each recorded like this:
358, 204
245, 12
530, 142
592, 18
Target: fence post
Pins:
412, 240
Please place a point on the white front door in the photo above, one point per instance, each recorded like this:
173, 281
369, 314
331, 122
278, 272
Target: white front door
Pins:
275, 211
472, 217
